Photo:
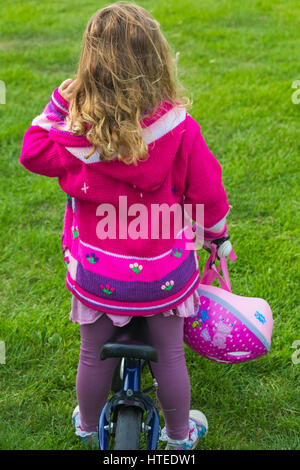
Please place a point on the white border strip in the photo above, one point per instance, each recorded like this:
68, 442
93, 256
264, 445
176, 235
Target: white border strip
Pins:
59, 105
42, 121
126, 308
117, 255
155, 131
164, 125
80, 153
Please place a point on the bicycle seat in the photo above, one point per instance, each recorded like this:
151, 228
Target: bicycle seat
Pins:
130, 341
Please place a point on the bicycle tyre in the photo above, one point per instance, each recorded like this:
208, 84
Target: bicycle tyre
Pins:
128, 428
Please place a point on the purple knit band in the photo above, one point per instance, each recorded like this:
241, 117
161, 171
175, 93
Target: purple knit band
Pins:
139, 291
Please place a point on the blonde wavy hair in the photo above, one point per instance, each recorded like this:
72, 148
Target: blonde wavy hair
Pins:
126, 70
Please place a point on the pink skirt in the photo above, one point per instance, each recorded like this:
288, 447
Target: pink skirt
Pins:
83, 314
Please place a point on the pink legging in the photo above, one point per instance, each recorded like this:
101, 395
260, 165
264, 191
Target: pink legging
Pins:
94, 376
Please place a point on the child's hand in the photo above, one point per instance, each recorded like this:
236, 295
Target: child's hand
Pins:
66, 89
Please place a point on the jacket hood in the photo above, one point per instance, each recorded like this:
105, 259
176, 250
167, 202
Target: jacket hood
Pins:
163, 134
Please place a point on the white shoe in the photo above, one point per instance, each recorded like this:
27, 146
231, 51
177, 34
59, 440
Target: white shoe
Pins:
87, 437
198, 426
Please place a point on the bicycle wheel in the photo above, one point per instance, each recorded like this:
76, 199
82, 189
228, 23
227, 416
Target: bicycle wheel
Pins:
128, 428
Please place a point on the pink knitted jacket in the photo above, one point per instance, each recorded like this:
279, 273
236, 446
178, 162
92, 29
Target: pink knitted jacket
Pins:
121, 274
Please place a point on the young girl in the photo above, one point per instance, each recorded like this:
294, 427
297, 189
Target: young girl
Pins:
120, 142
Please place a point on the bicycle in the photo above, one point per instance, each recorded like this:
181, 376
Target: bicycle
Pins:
125, 410
130, 411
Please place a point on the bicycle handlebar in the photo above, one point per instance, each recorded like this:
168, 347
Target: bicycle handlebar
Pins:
224, 246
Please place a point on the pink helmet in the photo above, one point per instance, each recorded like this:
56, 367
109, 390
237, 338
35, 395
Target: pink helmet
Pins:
226, 327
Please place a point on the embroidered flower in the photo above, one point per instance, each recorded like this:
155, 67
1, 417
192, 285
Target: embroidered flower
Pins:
176, 252
107, 289
168, 285
136, 267
75, 231
92, 258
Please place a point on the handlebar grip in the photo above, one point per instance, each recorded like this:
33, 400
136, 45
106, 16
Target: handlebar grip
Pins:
224, 249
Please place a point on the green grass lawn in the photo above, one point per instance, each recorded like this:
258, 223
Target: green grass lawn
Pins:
238, 61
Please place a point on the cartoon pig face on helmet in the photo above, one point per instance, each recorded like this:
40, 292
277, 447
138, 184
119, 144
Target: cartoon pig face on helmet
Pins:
228, 328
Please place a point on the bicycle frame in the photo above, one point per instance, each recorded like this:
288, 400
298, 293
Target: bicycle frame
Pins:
130, 394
